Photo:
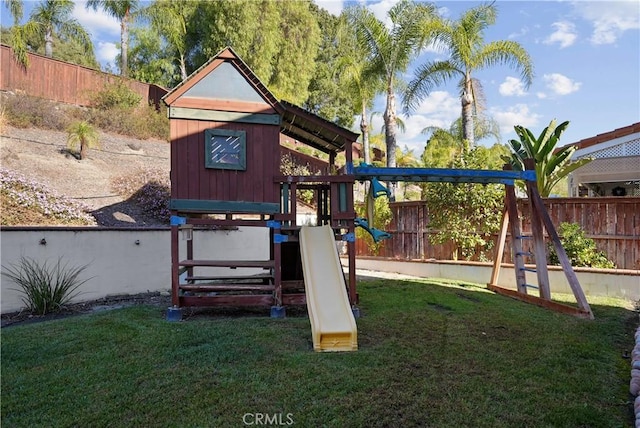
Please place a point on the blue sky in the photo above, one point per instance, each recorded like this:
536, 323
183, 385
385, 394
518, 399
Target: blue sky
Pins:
586, 57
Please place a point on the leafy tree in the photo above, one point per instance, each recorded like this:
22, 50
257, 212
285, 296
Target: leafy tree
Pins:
551, 165
582, 251
468, 53
278, 40
467, 214
48, 20
329, 88
124, 11
170, 19
82, 134
390, 49
150, 60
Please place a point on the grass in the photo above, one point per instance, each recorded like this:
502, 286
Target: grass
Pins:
429, 354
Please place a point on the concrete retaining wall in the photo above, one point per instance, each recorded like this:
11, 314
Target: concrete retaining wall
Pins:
595, 282
121, 261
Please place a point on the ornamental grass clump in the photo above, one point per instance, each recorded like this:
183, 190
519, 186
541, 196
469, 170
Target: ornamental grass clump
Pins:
45, 288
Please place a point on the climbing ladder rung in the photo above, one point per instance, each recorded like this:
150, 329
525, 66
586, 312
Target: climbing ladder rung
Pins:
528, 269
524, 253
524, 237
531, 286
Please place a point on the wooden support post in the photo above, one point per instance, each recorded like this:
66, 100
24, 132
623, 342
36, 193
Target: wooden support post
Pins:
275, 250
175, 260
497, 258
539, 246
516, 239
570, 274
190, 253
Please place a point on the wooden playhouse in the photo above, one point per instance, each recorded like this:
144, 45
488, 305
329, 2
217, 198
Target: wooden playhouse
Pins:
225, 173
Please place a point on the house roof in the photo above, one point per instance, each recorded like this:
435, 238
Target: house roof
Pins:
296, 123
607, 136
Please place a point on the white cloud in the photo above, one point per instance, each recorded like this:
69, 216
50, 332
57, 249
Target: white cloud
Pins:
439, 109
523, 32
518, 114
609, 19
512, 86
334, 7
565, 34
541, 95
381, 9
106, 52
97, 23
560, 84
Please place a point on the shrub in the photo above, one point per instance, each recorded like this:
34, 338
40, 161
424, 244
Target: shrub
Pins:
582, 251
115, 94
24, 111
45, 288
82, 134
26, 201
151, 189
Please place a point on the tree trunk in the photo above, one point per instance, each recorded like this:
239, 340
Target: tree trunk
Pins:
124, 45
391, 127
467, 113
48, 43
183, 68
364, 128
83, 148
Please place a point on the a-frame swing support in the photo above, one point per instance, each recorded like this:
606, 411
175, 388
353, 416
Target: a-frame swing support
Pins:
540, 221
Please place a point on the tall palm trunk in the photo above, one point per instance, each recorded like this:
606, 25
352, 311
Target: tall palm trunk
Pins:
467, 112
48, 43
124, 44
390, 136
183, 67
364, 128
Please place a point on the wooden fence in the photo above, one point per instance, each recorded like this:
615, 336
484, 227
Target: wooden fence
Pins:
64, 82
613, 223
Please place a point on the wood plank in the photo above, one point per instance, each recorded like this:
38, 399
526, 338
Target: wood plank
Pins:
258, 277
222, 206
228, 300
265, 264
549, 304
294, 299
207, 288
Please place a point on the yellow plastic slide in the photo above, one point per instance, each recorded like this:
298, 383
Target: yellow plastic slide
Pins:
333, 326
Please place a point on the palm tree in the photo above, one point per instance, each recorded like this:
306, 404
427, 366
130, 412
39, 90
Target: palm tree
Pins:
464, 39
170, 17
83, 134
390, 49
48, 18
551, 165
16, 8
124, 11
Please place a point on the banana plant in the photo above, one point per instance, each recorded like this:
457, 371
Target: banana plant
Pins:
551, 165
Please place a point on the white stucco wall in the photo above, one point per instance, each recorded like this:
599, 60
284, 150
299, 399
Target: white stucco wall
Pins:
122, 261
595, 282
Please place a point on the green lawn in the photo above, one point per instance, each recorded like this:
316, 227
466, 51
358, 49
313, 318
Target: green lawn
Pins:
429, 354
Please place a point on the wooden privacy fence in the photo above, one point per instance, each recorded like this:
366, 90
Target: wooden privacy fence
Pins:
613, 223
64, 82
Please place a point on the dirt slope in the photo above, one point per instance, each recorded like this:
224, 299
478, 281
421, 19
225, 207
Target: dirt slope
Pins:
40, 155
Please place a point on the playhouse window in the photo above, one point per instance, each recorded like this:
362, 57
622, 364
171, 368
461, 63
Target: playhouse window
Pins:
225, 149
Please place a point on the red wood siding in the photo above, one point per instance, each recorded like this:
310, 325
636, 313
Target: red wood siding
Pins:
613, 223
191, 180
64, 82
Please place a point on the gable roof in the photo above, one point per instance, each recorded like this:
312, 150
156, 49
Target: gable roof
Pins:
297, 122
607, 136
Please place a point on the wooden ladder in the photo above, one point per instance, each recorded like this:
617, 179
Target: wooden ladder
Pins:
540, 221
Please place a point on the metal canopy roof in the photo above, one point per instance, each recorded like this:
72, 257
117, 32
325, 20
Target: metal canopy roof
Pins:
313, 130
